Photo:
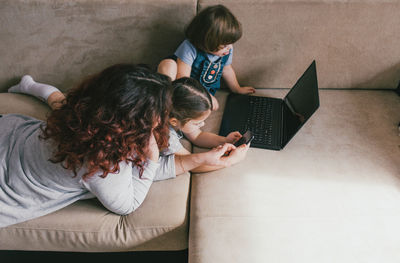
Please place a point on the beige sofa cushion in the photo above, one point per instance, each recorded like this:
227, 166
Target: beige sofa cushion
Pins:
354, 42
160, 223
331, 195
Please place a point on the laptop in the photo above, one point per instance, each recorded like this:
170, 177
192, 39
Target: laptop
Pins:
273, 121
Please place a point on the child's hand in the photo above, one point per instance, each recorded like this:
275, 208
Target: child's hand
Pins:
233, 137
246, 90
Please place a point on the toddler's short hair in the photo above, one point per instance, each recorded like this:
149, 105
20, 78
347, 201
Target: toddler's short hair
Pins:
212, 27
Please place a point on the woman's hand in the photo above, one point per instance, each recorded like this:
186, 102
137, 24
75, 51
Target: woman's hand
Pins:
225, 155
152, 151
215, 155
237, 155
233, 137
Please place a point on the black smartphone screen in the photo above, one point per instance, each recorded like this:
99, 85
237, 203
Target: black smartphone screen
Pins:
246, 138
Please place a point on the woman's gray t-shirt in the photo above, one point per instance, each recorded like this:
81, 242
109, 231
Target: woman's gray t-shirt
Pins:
32, 186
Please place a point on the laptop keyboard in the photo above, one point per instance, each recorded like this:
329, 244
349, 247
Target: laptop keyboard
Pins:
259, 119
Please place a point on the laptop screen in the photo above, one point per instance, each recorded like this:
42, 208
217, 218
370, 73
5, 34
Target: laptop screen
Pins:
300, 103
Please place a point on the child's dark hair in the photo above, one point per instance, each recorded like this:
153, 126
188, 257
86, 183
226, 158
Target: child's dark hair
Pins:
212, 27
190, 99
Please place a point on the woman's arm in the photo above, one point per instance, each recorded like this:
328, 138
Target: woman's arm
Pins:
124, 192
212, 160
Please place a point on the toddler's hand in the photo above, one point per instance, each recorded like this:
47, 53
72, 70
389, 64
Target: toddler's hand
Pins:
233, 137
246, 90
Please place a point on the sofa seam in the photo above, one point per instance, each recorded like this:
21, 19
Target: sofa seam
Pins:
89, 232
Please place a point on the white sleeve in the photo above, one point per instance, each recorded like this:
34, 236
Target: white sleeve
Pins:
174, 144
123, 192
186, 52
166, 170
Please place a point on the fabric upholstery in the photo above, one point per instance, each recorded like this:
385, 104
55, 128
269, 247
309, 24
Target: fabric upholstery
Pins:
354, 42
61, 42
331, 195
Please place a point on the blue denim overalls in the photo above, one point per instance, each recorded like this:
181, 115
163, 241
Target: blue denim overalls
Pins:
207, 72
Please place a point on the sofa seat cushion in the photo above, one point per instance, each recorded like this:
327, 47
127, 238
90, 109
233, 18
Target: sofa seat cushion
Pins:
160, 223
331, 195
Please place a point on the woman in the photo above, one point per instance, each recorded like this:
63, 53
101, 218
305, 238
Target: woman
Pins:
102, 142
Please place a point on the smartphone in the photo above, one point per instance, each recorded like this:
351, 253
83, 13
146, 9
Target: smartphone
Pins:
246, 138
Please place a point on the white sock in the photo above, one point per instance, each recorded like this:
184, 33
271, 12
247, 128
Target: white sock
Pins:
28, 86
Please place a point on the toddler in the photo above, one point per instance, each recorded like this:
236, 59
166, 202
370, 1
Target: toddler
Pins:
206, 53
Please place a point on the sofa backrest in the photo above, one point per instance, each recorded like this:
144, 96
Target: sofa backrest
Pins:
356, 43
61, 42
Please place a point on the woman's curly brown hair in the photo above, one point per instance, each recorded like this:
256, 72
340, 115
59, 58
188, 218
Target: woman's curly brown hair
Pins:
109, 118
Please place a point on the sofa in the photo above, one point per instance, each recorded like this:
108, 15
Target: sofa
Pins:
331, 195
